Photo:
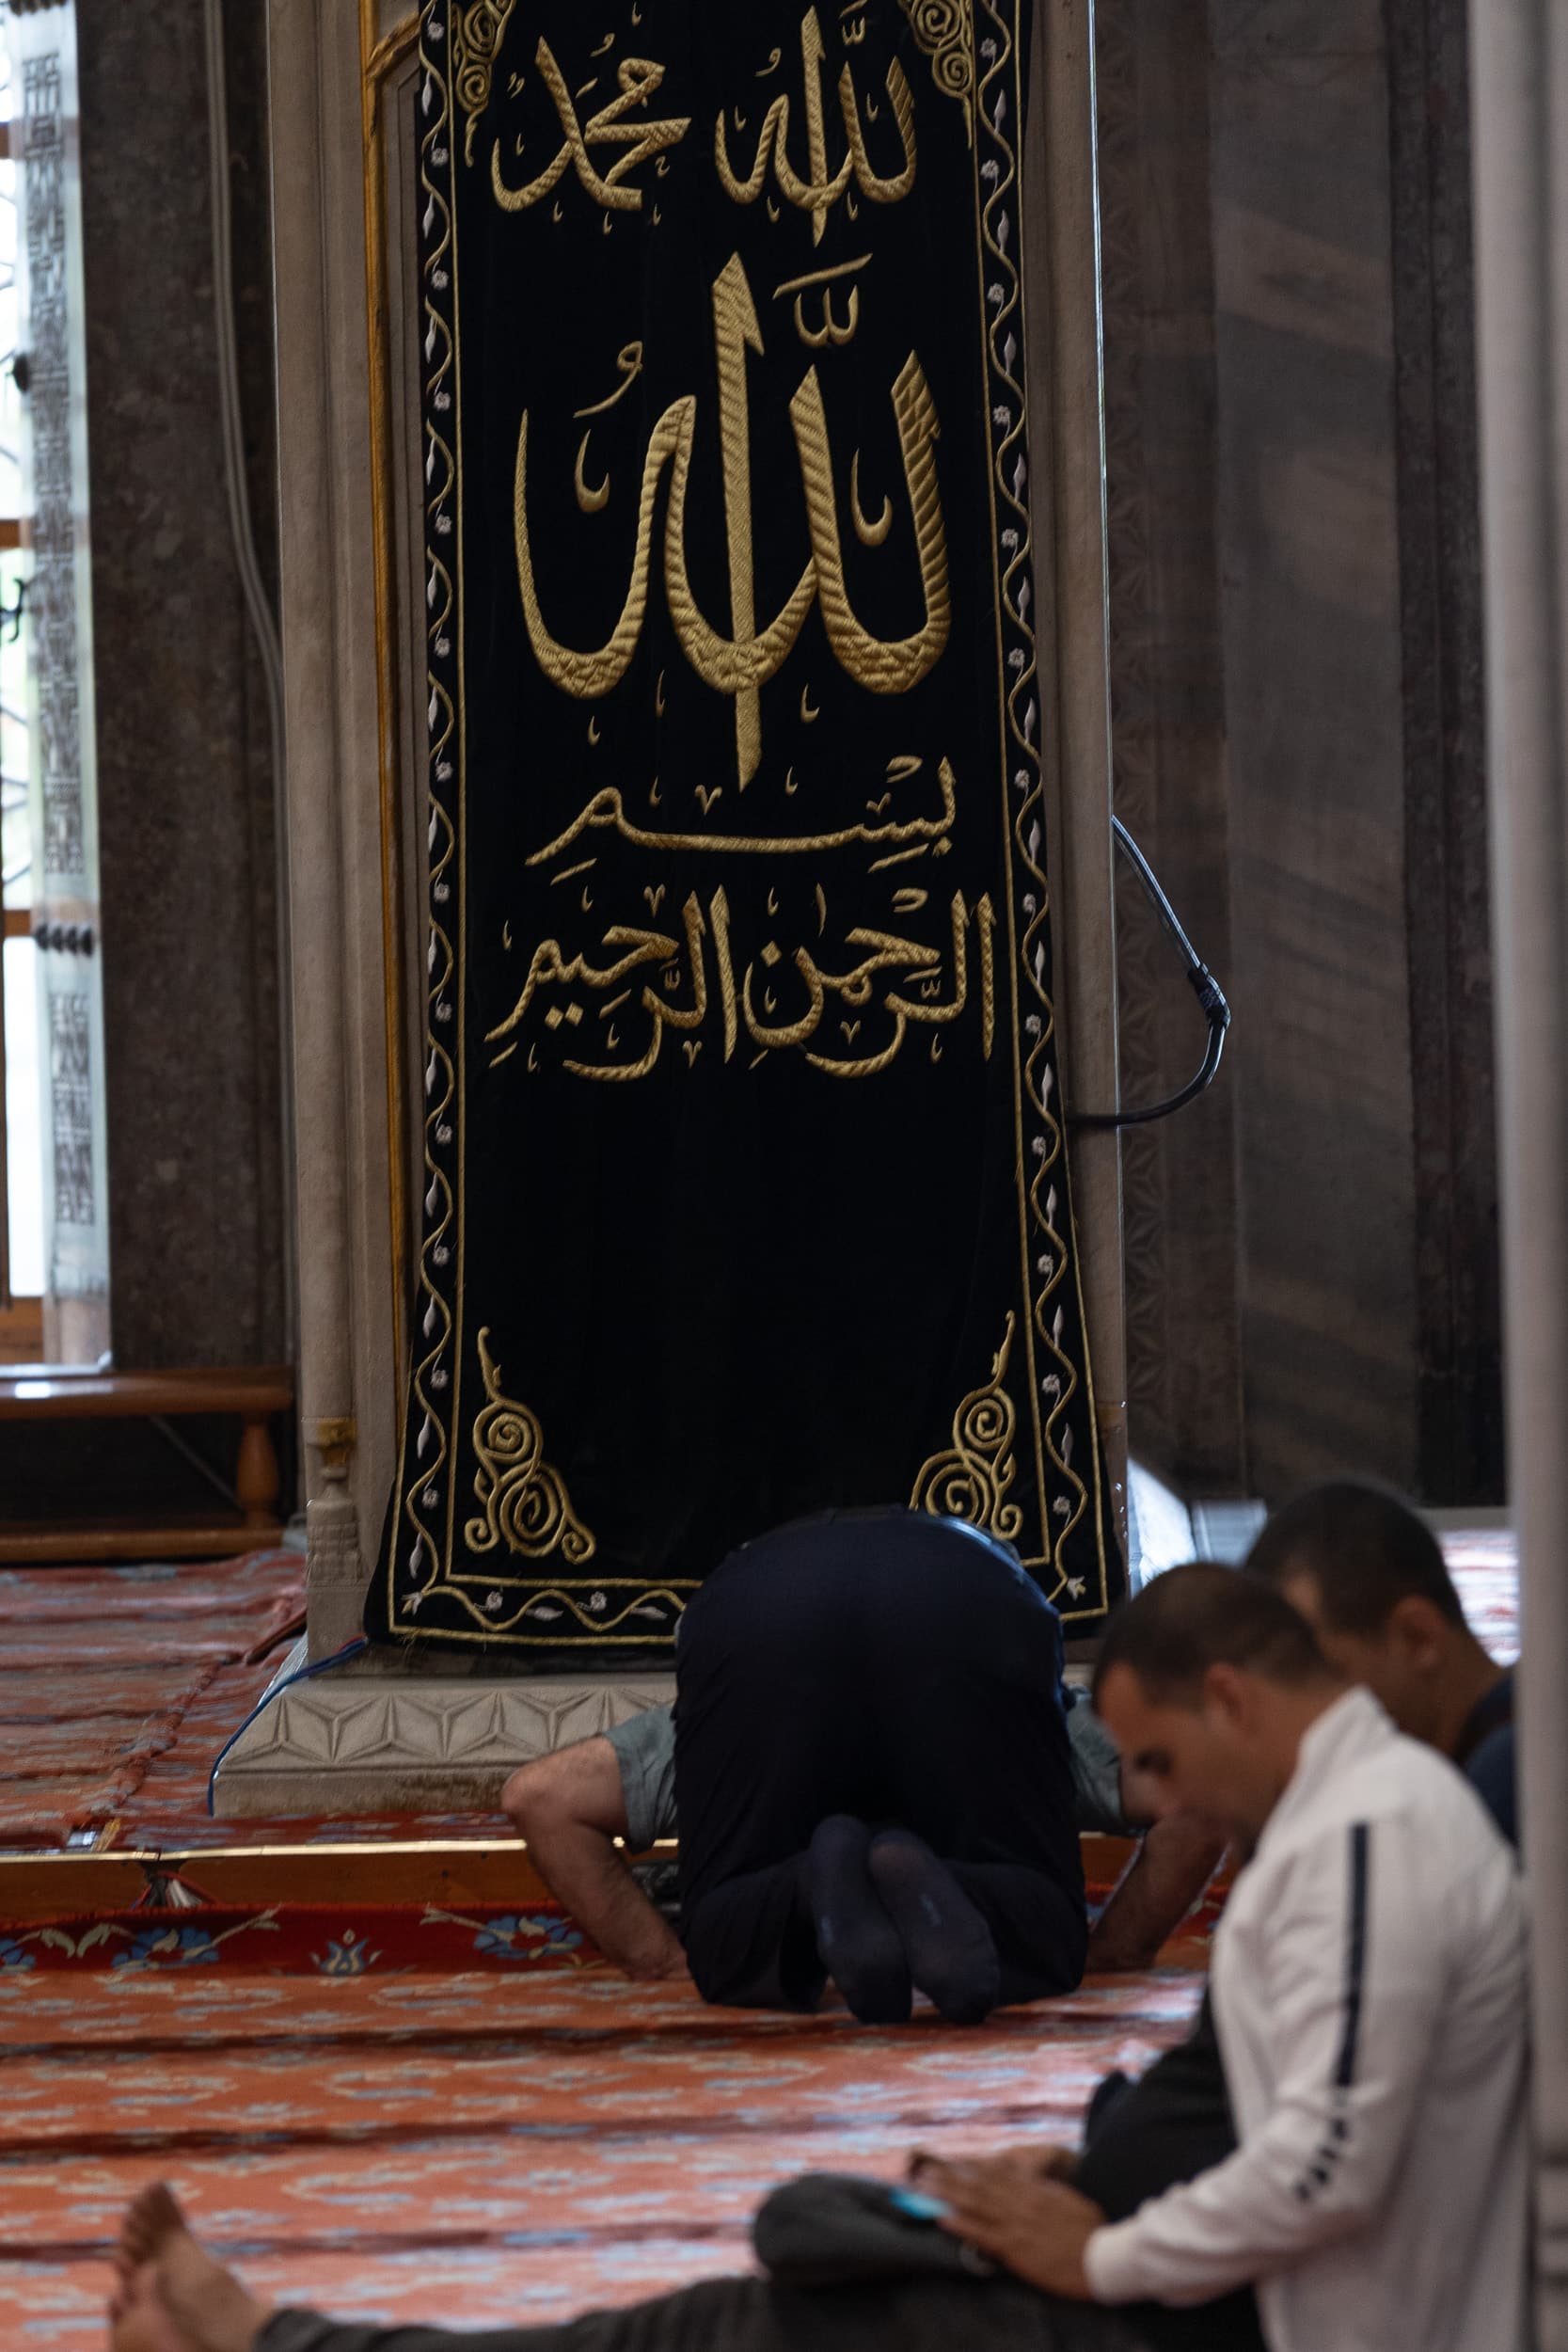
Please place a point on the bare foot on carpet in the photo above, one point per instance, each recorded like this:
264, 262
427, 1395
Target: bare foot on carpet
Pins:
171, 2296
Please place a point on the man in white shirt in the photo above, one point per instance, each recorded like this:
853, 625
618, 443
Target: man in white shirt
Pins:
1369, 2000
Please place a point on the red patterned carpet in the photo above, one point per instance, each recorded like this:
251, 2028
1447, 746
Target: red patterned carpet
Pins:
108, 1674
119, 1688
482, 2149
420, 2115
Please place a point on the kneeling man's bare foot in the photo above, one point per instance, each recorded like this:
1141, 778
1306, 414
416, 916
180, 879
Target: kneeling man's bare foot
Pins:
171, 2296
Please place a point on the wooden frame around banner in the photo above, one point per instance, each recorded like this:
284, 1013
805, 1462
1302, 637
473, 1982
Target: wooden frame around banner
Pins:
381, 54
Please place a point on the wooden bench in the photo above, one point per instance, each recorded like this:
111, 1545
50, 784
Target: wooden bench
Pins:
253, 1396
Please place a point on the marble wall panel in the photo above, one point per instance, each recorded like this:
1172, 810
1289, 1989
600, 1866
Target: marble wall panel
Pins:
1448, 869
1309, 538
1167, 685
187, 842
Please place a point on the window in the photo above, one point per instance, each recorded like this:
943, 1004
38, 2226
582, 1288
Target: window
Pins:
20, 1142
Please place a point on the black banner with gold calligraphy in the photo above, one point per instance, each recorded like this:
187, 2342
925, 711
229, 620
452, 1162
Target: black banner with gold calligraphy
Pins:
747, 1188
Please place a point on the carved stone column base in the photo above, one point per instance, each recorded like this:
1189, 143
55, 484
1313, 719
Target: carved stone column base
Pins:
334, 1573
372, 1743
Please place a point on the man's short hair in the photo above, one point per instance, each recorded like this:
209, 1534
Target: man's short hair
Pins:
1202, 1615
1364, 1548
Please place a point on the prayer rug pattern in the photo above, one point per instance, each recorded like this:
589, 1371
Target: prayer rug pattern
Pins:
482, 2149
103, 1672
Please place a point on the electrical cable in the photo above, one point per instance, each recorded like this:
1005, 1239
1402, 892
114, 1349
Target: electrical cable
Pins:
263, 625
1203, 984
275, 1691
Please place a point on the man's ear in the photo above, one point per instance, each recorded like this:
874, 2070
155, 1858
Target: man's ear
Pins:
1226, 1695
1420, 1632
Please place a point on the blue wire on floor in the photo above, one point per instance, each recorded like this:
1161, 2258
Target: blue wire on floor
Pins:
306, 1674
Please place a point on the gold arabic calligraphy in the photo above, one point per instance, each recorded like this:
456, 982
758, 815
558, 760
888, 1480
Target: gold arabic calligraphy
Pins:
742, 663
820, 190
636, 79
904, 976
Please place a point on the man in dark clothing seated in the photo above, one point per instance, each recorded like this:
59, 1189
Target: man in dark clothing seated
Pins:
1367, 1573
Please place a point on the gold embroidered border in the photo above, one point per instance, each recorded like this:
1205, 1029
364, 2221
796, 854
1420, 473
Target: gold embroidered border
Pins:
589, 1599
1051, 1243
430, 1377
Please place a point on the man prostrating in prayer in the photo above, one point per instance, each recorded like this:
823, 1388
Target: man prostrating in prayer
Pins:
858, 1694
872, 1774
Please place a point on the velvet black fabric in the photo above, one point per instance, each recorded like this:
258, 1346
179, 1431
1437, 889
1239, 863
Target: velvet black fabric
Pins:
746, 1184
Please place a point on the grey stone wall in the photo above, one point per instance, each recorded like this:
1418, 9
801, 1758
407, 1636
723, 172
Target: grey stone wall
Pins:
1172, 785
185, 787
1310, 558
1296, 601
1447, 876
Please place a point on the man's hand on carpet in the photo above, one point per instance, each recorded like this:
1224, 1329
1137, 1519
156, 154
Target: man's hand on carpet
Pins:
664, 1968
1037, 2228
1165, 1877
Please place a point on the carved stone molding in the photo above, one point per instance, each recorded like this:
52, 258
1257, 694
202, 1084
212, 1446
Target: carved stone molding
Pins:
335, 1571
375, 1744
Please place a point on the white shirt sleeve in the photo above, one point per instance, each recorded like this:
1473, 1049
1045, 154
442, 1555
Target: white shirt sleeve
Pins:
1354, 1979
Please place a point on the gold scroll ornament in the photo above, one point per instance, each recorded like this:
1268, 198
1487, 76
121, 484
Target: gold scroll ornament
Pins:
945, 32
970, 1481
476, 34
525, 1501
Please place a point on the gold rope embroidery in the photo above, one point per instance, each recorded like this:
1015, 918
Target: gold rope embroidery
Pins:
970, 1480
525, 1503
945, 30
476, 34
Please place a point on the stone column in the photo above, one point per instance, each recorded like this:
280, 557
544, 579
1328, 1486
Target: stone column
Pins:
186, 824
347, 1370
1519, 61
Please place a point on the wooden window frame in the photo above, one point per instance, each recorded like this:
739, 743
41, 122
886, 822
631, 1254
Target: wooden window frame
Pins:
21, 1319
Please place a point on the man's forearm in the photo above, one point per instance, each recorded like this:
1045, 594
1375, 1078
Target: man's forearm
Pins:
1167, 1874
585, 1871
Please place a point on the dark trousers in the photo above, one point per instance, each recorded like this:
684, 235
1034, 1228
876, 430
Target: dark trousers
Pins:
750, 2315
893, 1666
1144, 2137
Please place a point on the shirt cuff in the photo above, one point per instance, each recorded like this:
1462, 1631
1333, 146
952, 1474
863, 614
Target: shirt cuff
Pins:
1111, 2263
